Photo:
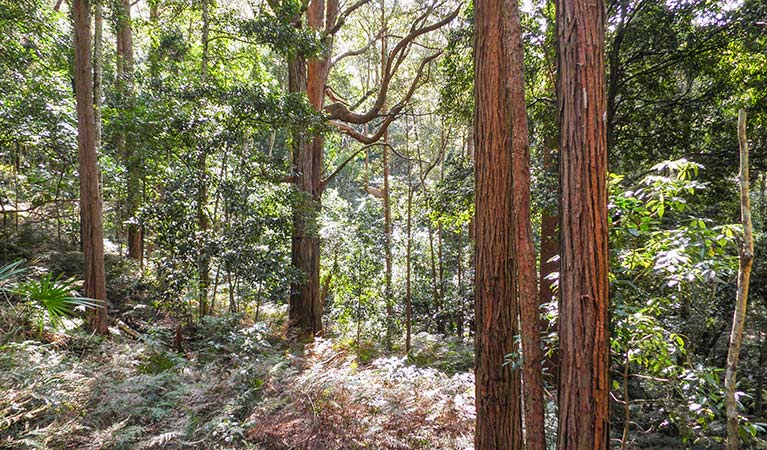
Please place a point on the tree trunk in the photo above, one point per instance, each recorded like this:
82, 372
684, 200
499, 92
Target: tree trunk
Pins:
626, 399
305, 313
499, 418
205, 40
124, 147
614, 74
203, 222
203, 225
525, 264
98, 69
434, 278
741, 300
90, 199
584, 339
388, 297
408, 287
549, 262
459, 273
549, 238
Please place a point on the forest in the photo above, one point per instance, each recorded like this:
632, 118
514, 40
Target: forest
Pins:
383, 224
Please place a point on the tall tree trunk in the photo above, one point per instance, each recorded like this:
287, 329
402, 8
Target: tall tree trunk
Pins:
98, 69
549, 237
434, 277
584, 340
203, 224
459, 273
549, 262
305, 312
124, 146
203, 221
388, 297
614, 64
741, 300
499, 418
442, 319
90, 199
205, 40
525, 264
408, 265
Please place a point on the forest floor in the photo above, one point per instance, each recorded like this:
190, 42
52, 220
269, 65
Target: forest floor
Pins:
235, 385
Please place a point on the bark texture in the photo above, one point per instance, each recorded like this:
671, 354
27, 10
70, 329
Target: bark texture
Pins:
524, 250
499, 418
305, 312
741, 300
90, 198
584, 344
304, 315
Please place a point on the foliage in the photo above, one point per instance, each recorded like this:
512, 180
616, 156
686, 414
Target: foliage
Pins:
53, 296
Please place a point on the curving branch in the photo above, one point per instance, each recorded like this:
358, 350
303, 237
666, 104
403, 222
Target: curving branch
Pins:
357, 52
361, 137
341, 19
395, 58
340, 112
341, 166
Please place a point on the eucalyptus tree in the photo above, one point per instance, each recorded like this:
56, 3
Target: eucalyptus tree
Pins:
498, 385
584, 382
125, 143
308, 72
90, 197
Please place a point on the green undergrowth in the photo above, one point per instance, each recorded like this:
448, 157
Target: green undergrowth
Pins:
237, 384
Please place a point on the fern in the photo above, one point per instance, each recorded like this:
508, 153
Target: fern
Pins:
160, 440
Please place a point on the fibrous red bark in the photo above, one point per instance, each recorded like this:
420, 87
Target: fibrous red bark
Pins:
90, 198
499, 417
583, 321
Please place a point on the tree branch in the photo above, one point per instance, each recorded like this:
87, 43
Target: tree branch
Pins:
356, 52
344, 15
396, 57
340, 167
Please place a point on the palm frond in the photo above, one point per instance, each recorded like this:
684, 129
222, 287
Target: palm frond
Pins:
55, 296
10, 271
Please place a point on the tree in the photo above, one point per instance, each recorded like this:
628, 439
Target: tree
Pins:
126, 148
90, 199
583, 322
311, 76
741, 301
499, 418
203, 220
525, 273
